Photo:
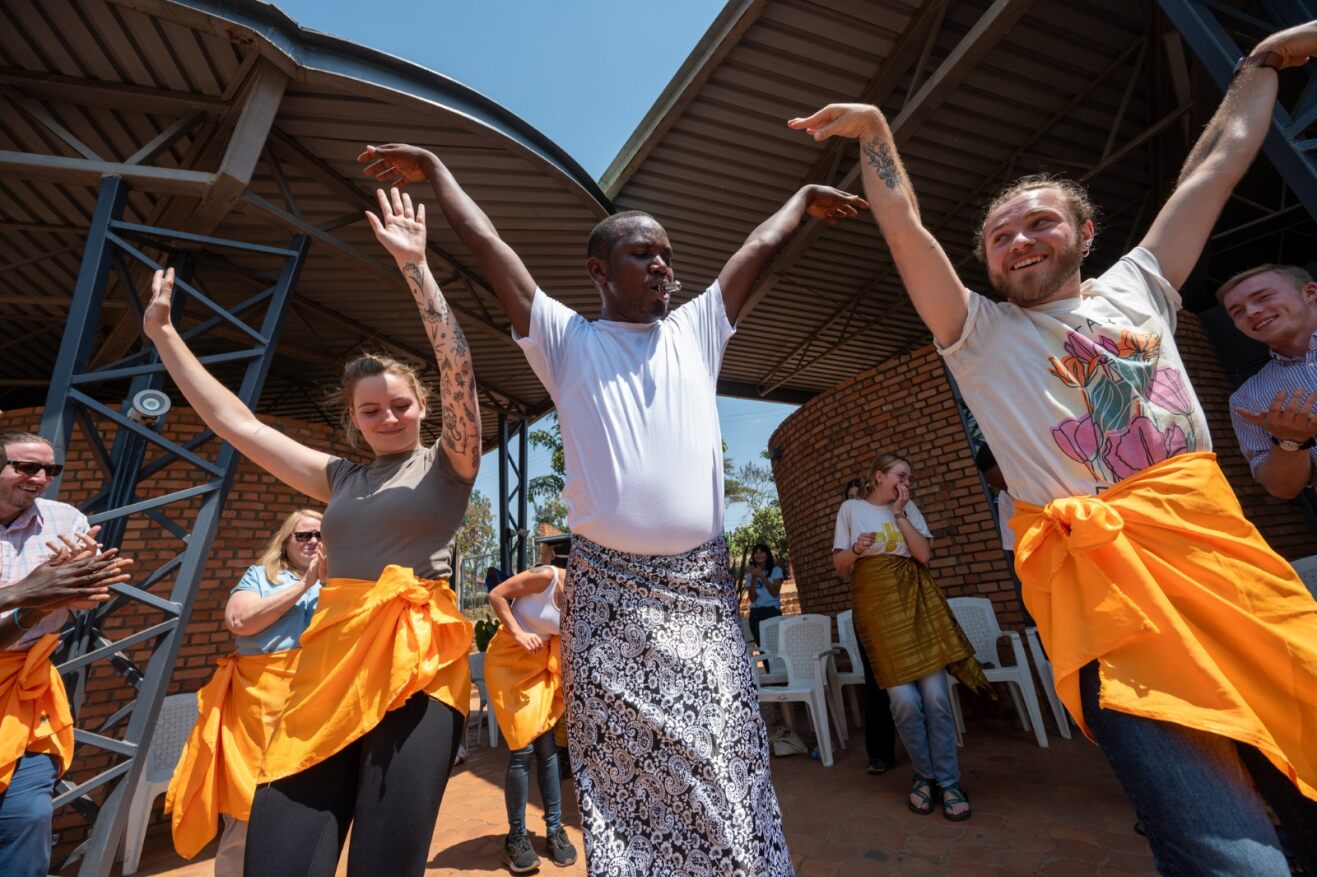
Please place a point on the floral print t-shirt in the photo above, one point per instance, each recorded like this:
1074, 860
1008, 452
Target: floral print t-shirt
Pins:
1076, 395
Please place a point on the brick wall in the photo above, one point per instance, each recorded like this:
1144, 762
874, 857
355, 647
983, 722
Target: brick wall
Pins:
905, 405
256, 506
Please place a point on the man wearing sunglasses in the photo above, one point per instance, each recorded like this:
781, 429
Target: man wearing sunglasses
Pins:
48, 565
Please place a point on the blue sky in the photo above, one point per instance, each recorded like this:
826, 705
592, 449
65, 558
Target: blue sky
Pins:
584, 72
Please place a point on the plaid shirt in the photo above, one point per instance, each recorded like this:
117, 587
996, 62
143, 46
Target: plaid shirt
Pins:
1280, 373
23, 549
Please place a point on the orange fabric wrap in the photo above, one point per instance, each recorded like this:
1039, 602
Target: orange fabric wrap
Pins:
370, 646
525, 688
1192, 617
236, 713
34, 708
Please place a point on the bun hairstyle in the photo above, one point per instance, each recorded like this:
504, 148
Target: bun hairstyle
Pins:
884, 461
368, 365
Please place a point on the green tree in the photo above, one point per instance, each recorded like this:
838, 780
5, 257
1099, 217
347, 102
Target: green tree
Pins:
765, 525
545, 491
477, 535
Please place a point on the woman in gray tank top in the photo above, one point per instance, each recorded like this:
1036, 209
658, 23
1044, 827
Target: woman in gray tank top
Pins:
368, 736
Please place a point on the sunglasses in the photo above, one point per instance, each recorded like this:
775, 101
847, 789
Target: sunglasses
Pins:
307, 535
23, 467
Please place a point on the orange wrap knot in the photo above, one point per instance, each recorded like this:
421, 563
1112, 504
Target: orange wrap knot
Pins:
1086, 522
34, 710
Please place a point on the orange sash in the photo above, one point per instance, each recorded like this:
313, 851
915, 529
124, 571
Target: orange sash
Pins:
370, 646
34, 709
525, 688
236, 711
1192, 617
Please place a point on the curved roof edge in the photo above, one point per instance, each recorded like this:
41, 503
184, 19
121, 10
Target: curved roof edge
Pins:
316, 50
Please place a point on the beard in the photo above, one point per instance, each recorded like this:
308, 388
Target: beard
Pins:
1040, 285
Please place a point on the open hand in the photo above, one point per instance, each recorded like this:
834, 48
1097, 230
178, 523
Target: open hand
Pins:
397, 164
80, 545
1292, 415
529, 641
400, 227
855, 121
316, 569
829, 204
1295, 45
159, 309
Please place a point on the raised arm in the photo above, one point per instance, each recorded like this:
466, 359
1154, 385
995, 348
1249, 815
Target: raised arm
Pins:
401, 229
1223, 154
739, 274
300, 467
936, 292
398, 164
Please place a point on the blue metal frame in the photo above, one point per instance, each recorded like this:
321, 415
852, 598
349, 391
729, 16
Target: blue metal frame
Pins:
513, 529
1207, 27
72, 400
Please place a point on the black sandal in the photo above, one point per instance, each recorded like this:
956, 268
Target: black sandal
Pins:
923, 789
953, 794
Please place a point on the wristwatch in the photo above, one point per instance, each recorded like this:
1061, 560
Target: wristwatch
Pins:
1287, 445
1258, 59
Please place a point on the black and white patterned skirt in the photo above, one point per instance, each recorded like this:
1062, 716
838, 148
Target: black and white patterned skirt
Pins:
668, 751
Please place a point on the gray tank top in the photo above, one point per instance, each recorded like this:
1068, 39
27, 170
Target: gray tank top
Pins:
401, 509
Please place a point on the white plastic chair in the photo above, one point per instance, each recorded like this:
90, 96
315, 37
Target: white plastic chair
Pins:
485, 714
979, 621
804, 645
1306, 567
769, 667
177, 716
1044, 666
849, 643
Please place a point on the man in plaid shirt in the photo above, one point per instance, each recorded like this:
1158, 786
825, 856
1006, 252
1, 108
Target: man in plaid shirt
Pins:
48, 565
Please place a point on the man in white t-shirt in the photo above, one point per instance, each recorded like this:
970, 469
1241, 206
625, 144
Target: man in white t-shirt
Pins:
1134, 556
668, 750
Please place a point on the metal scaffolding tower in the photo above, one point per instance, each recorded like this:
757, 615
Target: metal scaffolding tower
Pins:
188, 517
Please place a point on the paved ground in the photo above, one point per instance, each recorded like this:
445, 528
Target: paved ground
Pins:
1054, 811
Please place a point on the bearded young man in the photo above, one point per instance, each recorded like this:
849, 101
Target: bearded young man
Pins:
1275, 410
669, 754
1177, 635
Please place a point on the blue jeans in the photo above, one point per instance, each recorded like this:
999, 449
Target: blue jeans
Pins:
1190, 790
516, 787
25, 813
922, 713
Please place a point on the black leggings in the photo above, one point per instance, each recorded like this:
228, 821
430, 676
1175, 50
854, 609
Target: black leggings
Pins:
879, 727
387, 785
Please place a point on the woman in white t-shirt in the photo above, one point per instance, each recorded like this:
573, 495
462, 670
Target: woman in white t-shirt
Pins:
906, 628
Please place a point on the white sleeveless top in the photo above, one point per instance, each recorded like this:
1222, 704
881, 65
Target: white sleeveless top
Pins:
538, 613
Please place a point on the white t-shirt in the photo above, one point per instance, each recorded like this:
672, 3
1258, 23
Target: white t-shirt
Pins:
637, 408
539, 613
857, 516
1076, 395
763, 598
1005, 511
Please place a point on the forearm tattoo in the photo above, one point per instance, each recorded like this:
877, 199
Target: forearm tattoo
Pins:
879, 155
459, 407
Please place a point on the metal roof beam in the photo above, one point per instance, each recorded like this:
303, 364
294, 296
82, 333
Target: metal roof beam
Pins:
84, 172
110, 95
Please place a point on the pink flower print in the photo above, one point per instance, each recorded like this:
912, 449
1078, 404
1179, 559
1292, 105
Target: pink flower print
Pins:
1110, 346
1077, 438
1135, 448
1175, 441
1081, 348
1168, 390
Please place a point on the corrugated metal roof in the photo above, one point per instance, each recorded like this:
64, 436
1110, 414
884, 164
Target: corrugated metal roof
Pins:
977, 92
114, 74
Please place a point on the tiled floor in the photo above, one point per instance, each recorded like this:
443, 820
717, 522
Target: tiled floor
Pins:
1054, 811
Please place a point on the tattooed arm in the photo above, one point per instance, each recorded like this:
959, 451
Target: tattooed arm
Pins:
937, 294
1223, 154
739, 274
401, 229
